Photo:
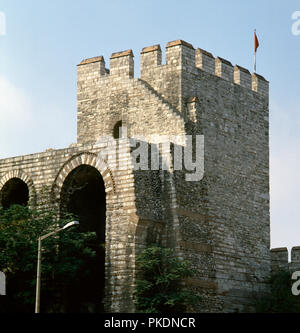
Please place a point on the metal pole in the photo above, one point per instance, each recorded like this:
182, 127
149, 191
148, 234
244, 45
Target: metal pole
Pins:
38, 277
38, 274
254, 62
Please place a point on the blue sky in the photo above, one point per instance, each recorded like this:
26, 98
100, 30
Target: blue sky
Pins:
45, 40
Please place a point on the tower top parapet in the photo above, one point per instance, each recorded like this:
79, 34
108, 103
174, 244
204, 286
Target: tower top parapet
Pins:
180, 55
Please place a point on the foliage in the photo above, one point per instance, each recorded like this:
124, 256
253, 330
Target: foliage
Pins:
159, 286
68, 259
281, 299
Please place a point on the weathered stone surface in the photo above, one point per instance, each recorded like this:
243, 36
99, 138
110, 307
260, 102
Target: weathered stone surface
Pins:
221, 223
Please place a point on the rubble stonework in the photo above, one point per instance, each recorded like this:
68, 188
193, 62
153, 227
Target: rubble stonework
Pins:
220, 223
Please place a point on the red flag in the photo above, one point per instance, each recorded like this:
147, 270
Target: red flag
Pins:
256, 43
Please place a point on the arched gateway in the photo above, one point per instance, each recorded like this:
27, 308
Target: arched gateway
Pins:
81, 189
221, 224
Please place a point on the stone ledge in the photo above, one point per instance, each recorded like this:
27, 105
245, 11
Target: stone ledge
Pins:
205, 52
151, 49
121, 54
180, 42
260, 77
242, 69
193, 100
224, 61
91, 60
279, 249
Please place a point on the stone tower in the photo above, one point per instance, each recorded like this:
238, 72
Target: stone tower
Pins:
220, 222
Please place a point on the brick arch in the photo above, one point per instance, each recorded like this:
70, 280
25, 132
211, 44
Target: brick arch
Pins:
25, 178
90, 159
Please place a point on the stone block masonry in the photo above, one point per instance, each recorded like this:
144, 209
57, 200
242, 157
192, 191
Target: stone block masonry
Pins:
280, 260
221, 223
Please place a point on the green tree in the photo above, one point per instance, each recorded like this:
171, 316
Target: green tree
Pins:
281, 299
68, 260
159, 285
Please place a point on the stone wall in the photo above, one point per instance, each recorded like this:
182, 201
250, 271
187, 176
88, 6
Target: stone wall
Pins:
229, 106
280, 259
220, 223
45, 174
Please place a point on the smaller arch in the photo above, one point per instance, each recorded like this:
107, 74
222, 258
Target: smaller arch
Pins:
14, 192
19, 176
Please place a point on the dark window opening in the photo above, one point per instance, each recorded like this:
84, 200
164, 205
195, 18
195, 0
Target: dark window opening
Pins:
117, 131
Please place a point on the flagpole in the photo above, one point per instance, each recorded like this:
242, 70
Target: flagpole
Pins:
254, 53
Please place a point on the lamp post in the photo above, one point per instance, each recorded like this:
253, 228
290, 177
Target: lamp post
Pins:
38, 276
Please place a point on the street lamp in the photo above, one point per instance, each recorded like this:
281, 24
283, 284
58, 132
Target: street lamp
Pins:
38, 276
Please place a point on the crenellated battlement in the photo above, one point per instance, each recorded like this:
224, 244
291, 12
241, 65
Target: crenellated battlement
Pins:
133, 197
280, 258
151, 56
180, 56
205, 61
121, 64
242, 77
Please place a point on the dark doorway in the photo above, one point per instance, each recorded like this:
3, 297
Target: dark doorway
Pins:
83, 195
14, 192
